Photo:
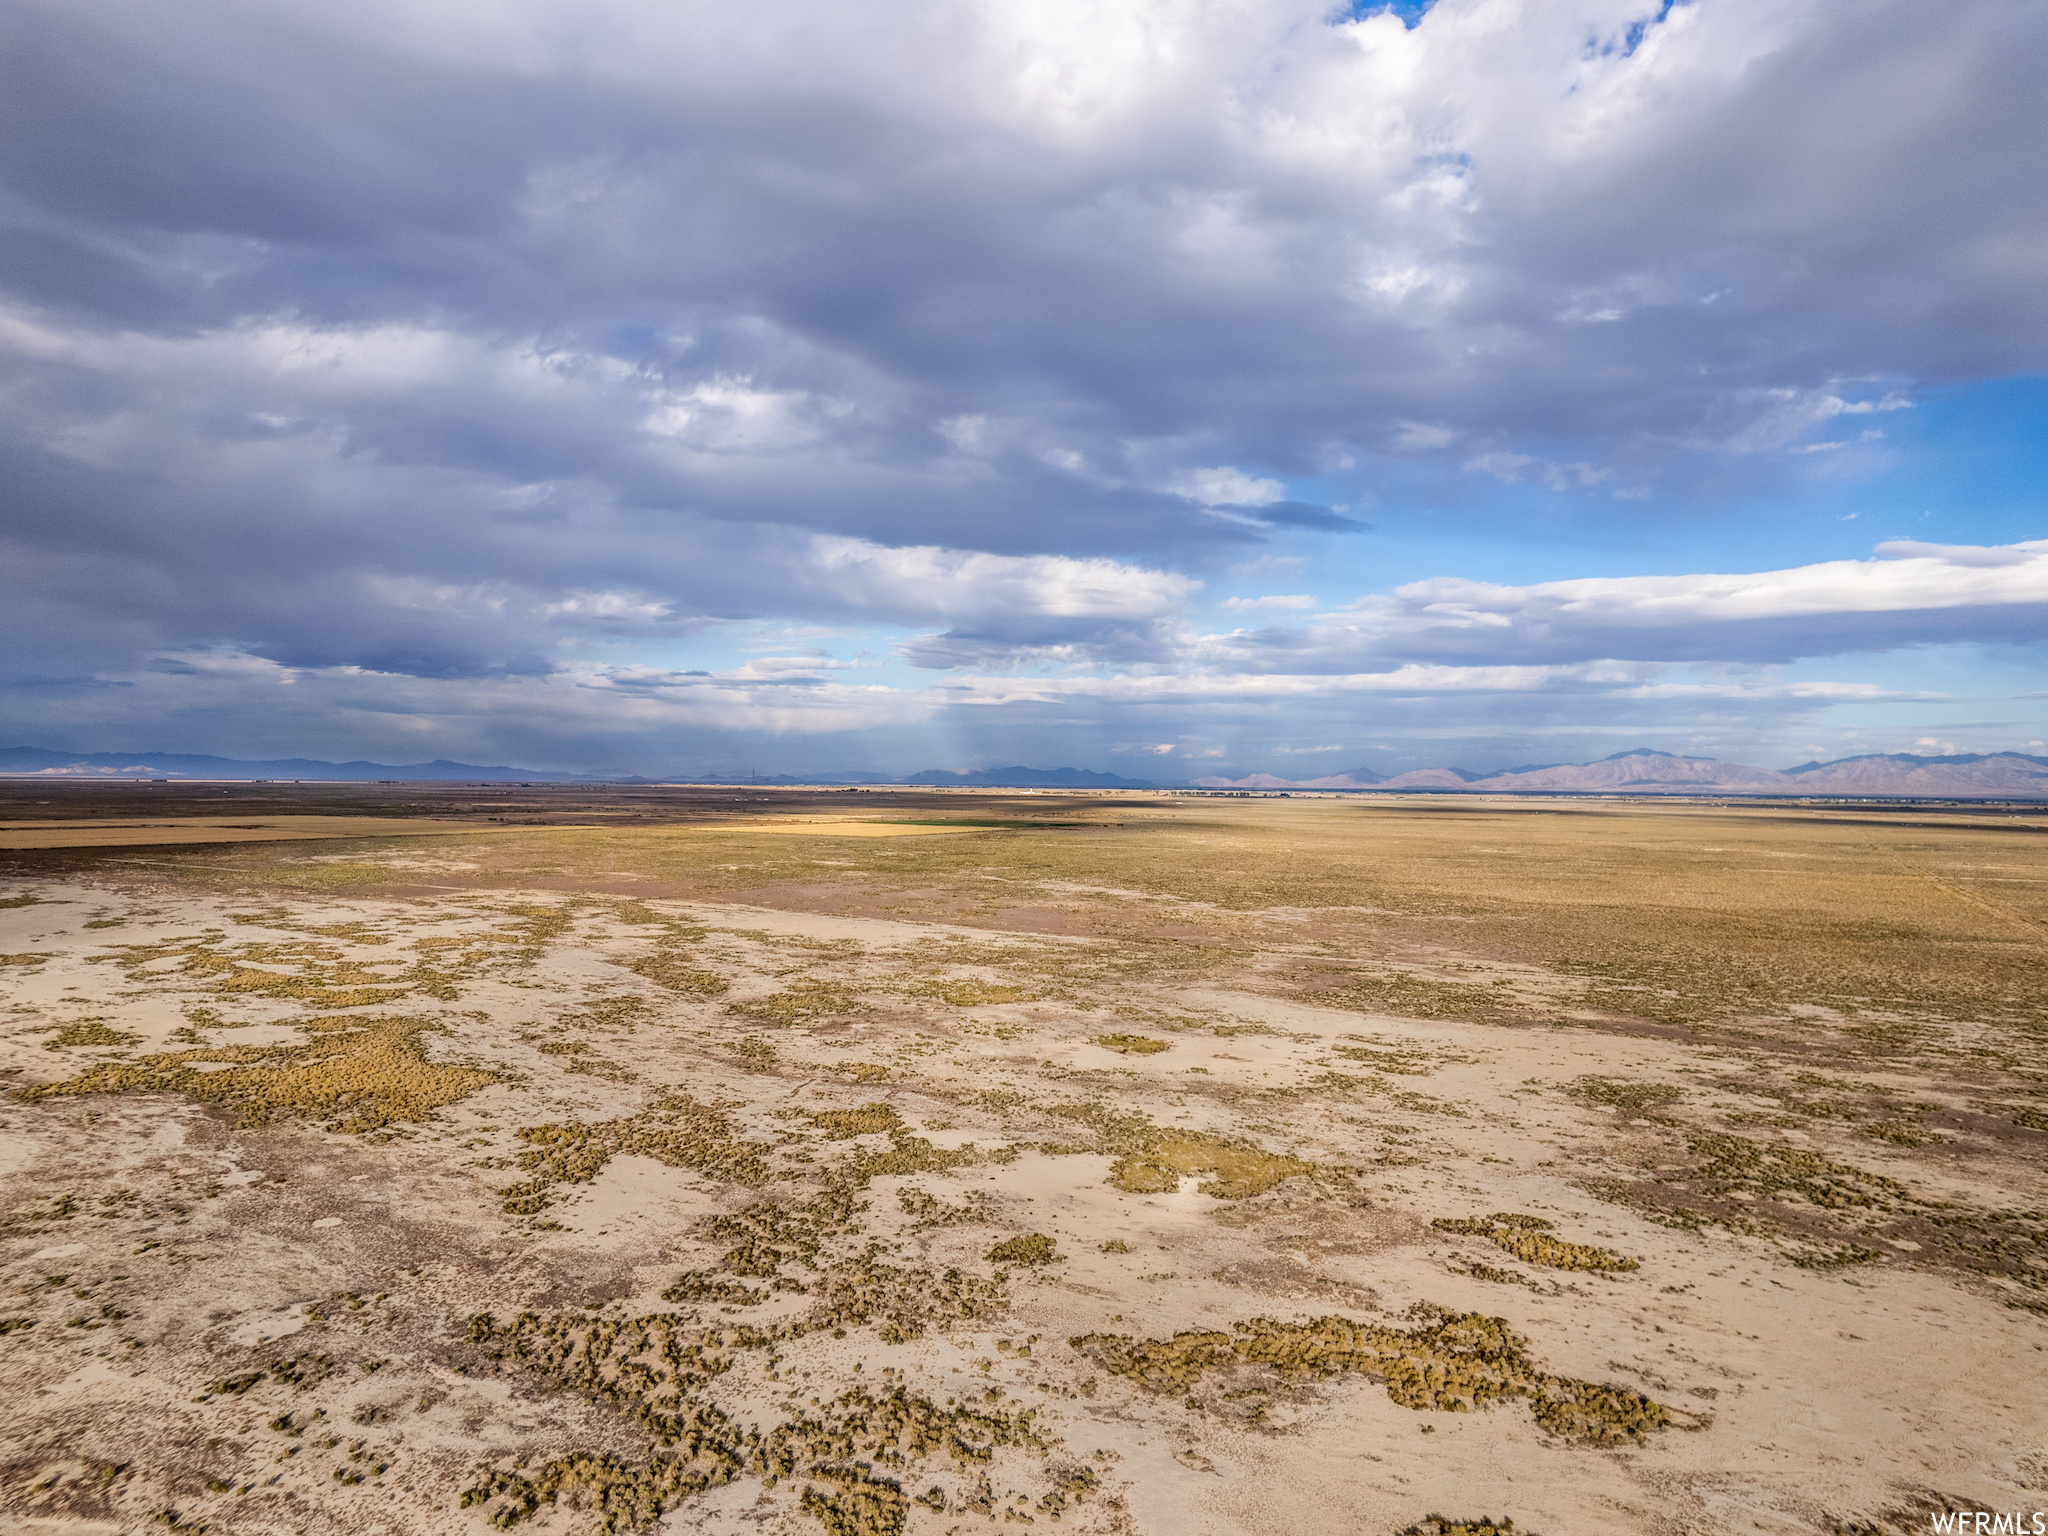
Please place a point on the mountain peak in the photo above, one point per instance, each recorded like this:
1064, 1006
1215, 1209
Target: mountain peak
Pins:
1652, 771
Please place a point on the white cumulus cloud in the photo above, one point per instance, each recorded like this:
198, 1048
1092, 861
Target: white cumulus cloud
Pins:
1224, 486
1296, 600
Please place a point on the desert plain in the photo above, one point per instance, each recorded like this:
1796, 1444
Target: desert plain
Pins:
458, 1158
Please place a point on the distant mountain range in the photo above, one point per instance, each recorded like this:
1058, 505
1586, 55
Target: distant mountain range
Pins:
944, 778
1996, 775
40, 762
1025, 778
1970, 775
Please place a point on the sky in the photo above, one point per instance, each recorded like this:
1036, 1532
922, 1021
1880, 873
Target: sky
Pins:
1164, 387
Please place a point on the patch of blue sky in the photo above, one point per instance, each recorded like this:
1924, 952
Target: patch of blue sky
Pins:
1624, 41
1965, 465
2017, 673
1410, 11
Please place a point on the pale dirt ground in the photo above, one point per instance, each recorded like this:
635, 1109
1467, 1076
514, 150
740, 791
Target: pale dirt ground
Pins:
834, 826
160, 1249
171, 831
168, 831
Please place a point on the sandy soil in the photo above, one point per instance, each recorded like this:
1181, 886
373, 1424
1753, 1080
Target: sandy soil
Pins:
654, 1180
834, 826
25, 835
185, 829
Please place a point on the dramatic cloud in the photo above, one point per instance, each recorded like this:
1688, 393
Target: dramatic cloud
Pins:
449, 363
1916, 594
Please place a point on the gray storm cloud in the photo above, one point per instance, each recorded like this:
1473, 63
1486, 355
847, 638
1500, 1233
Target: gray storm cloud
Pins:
438, 342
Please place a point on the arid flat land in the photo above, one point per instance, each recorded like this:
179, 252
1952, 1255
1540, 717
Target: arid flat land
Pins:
126, 833
580, 1160
298, 829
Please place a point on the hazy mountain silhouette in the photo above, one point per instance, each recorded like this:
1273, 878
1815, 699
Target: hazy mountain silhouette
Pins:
1999, 775
1642, 771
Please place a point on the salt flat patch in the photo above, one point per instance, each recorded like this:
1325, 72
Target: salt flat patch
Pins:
96, 1373
1408, 1120
635, 1205
281, 1325
952, 1140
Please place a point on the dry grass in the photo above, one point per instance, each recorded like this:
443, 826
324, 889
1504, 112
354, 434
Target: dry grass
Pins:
971, 992
98, 833
675, 1129
88, 1032
1528, 1239
1449, 1363
659, 1369
802, 1004
1654, 913
667, 969
1237, 1170
353, 1074
1153, 1160
1132, 1045
872, 1120
1031, 1248
1662, 1005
